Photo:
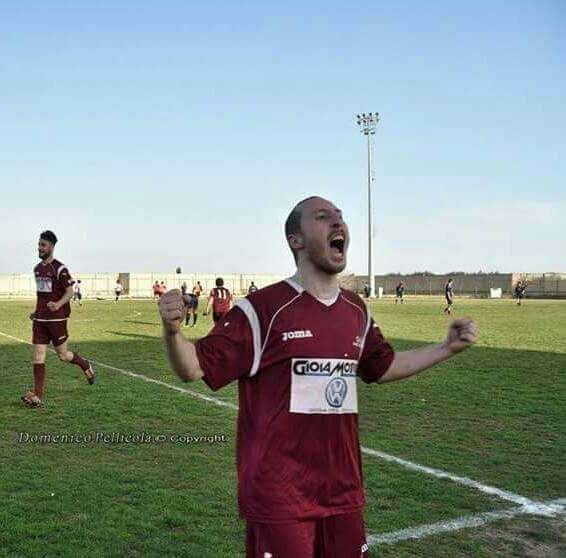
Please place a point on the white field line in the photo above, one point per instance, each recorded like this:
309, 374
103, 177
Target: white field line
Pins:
535, 507
554, 508
438, 473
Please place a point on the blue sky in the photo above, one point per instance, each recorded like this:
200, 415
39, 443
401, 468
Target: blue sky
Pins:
150, 135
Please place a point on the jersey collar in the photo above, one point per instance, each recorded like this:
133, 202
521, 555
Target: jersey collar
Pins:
301, 290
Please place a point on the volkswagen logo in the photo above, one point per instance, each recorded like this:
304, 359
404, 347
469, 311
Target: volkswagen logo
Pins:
336, 391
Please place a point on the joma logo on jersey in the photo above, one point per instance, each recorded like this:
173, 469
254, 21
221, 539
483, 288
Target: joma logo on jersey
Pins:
324, 366
299, 334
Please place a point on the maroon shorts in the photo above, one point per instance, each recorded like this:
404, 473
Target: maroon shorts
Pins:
217, 316
337, 536
46, 332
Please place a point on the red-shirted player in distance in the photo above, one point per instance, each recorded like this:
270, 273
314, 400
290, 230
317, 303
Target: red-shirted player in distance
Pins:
220, 299
54, 291
296, 349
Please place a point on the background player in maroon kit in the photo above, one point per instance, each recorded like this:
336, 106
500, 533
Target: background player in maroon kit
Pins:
54, 291
220, 299
296, 349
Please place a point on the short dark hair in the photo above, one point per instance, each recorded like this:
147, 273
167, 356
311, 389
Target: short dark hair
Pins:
49, 236
293, 221
219, 282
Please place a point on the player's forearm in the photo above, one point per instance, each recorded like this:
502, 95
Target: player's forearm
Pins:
66, 297
182, 356
408, 363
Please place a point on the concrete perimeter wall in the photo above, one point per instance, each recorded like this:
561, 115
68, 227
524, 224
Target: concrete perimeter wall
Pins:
139, 285
136, 284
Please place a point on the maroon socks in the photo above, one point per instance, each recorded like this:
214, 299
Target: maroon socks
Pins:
80, 361
39, 379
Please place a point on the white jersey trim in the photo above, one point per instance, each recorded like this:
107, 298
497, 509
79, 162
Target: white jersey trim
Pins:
61, 268
246, 307
54, 320
295, 285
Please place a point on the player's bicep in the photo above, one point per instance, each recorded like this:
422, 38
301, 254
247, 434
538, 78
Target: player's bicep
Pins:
377, 356
227, 352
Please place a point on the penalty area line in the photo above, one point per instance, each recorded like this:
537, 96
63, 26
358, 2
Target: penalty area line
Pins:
535, 507
553, 508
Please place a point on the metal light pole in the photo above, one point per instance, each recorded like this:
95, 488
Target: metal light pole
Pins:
368, 124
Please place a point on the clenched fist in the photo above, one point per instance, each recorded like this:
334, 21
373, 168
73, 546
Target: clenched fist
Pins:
462, 334
172, 309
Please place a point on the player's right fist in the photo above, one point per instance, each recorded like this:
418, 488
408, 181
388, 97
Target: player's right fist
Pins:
172, 309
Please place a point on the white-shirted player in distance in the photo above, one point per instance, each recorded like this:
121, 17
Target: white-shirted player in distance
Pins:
296, 348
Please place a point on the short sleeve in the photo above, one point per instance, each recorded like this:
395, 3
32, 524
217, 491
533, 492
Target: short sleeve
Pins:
64, 277
227, 352
377, 355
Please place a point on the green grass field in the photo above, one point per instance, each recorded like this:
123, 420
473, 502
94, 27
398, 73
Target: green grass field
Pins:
495, 414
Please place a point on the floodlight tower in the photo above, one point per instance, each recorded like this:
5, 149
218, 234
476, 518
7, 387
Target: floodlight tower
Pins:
368, 124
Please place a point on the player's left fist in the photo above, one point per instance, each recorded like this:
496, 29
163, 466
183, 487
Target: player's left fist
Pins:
53, 306
462, 334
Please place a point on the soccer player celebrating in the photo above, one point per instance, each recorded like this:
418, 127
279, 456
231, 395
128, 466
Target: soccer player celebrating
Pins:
220, 299
449, 295
296, 348
53, 308
399, 291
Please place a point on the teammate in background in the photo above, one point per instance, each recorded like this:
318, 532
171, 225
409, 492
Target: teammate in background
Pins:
520, 289
252, 288
156, 290
399, 291
296, 348
53, 308
184, 288
162, 289
367, 291
118, 290
449, 295
220, 299
77, 294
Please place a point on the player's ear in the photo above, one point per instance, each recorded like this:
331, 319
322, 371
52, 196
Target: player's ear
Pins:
295, 241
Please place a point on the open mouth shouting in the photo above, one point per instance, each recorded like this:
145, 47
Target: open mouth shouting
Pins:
337, 243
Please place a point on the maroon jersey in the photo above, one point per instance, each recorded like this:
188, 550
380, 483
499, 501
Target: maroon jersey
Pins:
52, 280
221, 298
296, 359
